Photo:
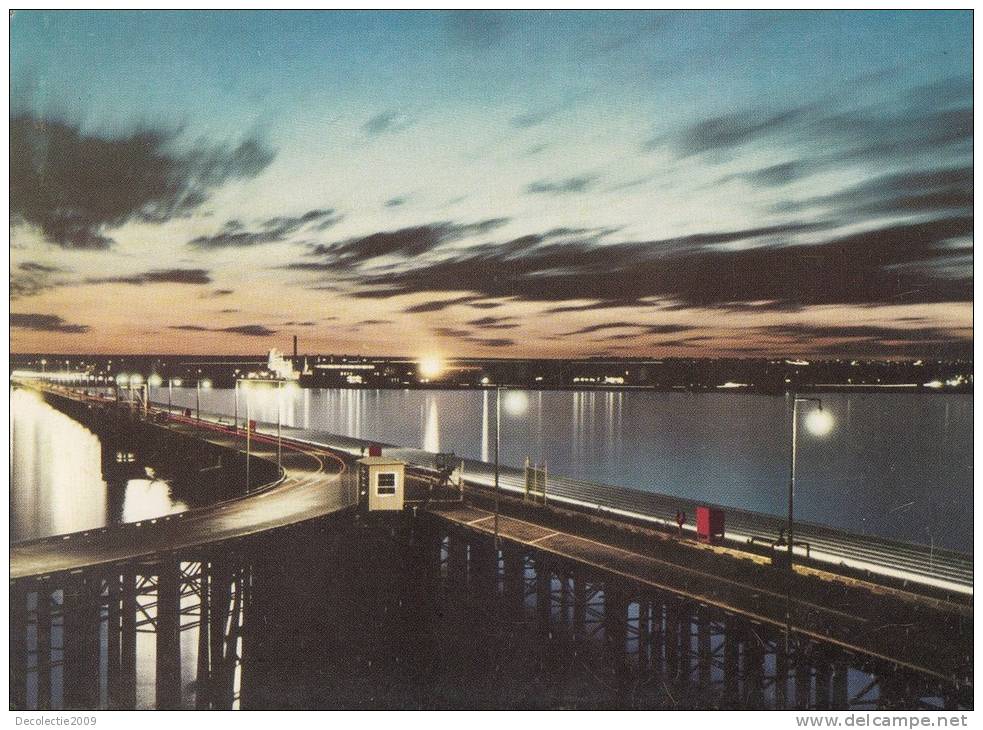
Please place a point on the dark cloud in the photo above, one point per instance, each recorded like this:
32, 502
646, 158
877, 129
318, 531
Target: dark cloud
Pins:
468, 337
579, 184
491, 341
35, 267
412, 241
729, 131
494, 323
229, 311
77, 187
396, 202
45, 323
273, 230
375, 321
223, 292
877, 340
299, 324
777, 175
609, 304
891, 264
643, 329
807, 333
384, 122
32, 278
158, 276
854, 135
905, 193
249, 330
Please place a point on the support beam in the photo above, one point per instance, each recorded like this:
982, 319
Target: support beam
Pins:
44, 647
168, 636
73, 666
18, 647
113, 628
127, 685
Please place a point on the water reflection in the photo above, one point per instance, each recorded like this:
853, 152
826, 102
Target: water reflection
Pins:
345, 615
55, 470
892, 462
65, 478
148, 498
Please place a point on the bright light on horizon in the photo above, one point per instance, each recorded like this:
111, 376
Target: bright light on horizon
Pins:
430, 367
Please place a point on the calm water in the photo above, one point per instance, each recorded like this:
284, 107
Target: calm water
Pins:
897, 465
64, 479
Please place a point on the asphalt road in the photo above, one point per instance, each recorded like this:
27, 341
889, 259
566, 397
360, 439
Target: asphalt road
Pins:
311, 487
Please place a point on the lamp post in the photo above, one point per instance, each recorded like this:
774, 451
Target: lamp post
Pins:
279, 421
498, 430
249, 430
154, 381
137, 384
199, 384
820, 423
171, 382
121, 380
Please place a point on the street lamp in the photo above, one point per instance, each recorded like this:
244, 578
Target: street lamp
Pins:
199, 384
279, 416
122, 380
137, 383
171, 382
819, 423
515, 404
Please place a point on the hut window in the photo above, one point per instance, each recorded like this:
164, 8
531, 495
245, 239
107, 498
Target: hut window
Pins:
385, 484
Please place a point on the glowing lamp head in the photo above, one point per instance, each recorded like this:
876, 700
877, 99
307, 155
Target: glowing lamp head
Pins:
136, 379
819, 422
206, 384
122, 379
430, 367
515, 402
176, 382
154, 381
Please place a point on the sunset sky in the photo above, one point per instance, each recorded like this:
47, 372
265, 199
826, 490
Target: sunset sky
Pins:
494, 184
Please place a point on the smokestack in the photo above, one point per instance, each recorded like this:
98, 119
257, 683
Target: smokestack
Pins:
295, 347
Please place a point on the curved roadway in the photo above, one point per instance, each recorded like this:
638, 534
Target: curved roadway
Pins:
310, 487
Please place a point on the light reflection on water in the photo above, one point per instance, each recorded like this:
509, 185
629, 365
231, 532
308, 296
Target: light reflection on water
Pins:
57, 482
55, 469
898, 465
148, 498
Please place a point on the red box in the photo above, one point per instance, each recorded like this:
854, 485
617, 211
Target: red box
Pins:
710, 524
375, 450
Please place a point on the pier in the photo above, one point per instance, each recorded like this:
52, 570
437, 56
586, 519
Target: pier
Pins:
912, 627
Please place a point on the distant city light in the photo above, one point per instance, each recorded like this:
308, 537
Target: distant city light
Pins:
430, 367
